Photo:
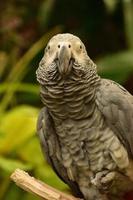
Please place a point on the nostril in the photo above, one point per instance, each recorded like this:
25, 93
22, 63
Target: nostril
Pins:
69, 46
59, 46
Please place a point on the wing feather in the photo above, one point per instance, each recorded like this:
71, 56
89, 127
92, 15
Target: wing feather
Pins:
51, 148
116, 105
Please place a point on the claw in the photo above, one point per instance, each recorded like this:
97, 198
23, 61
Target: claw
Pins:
103, 180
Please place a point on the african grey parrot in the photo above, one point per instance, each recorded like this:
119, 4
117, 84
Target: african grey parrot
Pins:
86, 125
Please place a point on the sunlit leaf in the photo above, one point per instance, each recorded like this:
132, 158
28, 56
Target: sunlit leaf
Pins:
32, 147
20, 87
16, 127
9, 165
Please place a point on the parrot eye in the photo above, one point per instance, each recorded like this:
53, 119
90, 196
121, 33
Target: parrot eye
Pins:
48, 47
80, 47
58, 46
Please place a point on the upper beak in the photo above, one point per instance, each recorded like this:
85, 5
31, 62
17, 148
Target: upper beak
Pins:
64, 57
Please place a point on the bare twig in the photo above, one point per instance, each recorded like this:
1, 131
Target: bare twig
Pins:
34, 186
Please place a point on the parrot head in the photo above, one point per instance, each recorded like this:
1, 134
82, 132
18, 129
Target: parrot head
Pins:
64, 54
65, 50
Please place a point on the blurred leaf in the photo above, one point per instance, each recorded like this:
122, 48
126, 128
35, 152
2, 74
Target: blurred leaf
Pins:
28, 196
9, 165
32, 146
46, 174
128, 18
20, 87
3, 62
117, 66
45, 11
15, 193
4, 186
20, 69
18, 125
110, 4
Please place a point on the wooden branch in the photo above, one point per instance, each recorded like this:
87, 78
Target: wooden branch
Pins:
38, 188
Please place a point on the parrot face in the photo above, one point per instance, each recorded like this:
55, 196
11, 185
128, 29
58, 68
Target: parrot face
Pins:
86, 126
64, 51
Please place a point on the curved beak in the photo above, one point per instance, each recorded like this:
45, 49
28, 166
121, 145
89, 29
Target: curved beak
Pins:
64, 58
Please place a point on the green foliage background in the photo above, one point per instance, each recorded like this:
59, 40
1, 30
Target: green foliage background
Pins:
106, 27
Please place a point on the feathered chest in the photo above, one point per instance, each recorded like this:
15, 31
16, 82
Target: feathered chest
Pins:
69, 98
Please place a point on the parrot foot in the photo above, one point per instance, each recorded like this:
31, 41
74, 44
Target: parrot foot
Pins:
92, 194
103, 180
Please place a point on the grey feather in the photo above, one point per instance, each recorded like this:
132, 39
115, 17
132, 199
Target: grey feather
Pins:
116, 104
46, 133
